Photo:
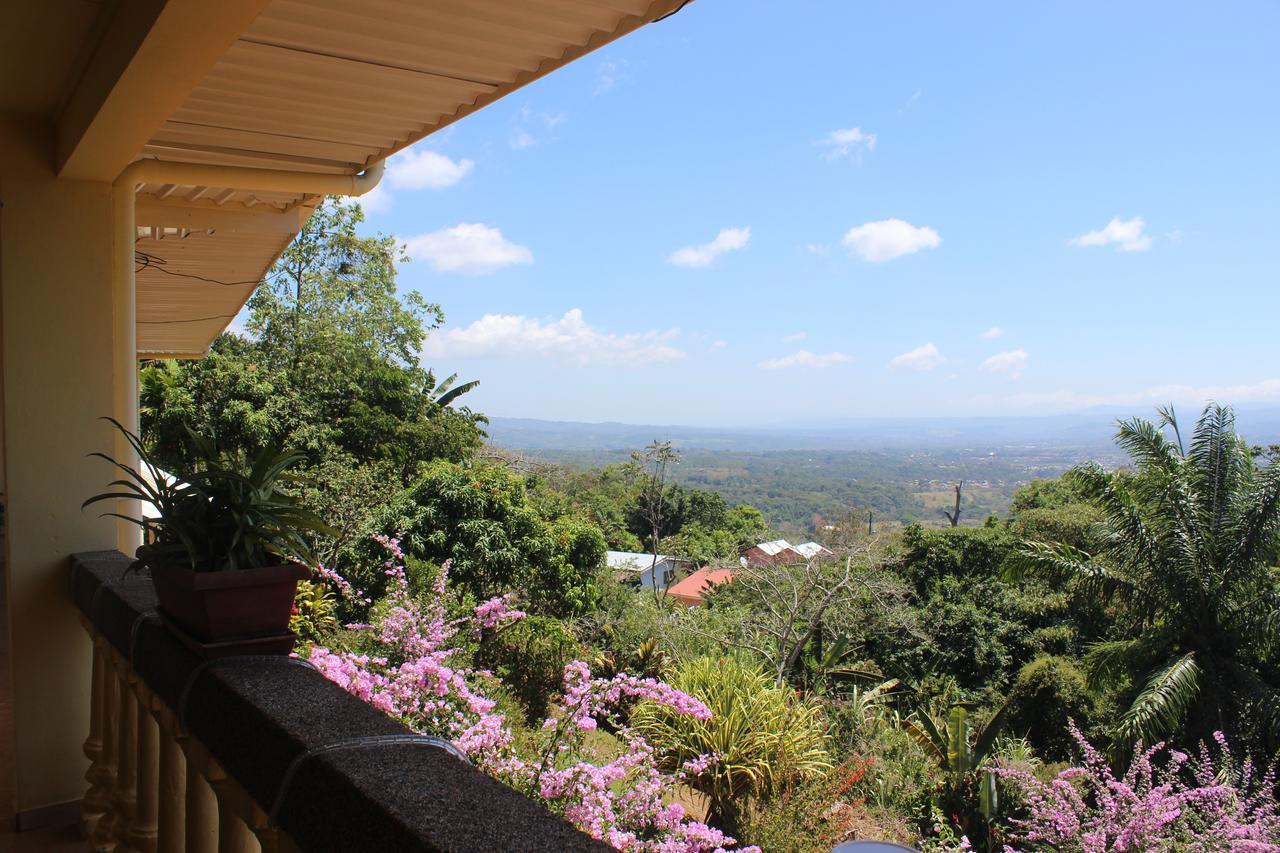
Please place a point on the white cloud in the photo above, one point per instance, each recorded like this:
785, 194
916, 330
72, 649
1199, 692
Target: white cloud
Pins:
718, 344
1010, 363
415, 170
528, 120
1266, 391
798, 336
819, 249
425, 170
1126, 236
890, 238
470, 248
921, 358
804, 358
569, 339
993, 333
849, 142
609, 73
728, 240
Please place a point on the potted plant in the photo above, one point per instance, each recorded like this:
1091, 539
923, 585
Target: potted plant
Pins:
224, 545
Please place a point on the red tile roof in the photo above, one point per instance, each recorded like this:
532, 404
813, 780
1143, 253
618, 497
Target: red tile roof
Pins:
689, 590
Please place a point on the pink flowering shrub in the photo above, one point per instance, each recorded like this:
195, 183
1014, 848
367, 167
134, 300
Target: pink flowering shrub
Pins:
1183, 804
416, 678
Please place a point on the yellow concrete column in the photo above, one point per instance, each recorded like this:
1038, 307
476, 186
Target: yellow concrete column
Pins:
59, 345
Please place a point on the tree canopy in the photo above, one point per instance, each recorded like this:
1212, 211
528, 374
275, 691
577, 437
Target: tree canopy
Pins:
1185, 557
329, 365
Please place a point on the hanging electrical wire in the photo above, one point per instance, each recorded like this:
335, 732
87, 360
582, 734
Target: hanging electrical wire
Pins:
147, 261
188, 320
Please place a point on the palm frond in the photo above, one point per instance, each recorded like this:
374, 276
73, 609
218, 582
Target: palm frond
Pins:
1109, 662
1147, 444
1135, 540
1168, 418
1063, 563
1162, 705
1217, 452
1259, 521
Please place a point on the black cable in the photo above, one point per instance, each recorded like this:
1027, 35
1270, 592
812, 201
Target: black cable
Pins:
673, 11
192, 320
152, 262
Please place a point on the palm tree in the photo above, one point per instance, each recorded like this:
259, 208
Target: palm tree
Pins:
1185, 558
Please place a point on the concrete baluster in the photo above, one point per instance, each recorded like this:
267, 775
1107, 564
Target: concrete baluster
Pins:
103, 838
142, 831
172, 802
96, 798
202, 808
234, 835
124, 795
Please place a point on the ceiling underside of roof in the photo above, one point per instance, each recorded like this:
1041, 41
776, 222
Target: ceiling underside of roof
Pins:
330, 86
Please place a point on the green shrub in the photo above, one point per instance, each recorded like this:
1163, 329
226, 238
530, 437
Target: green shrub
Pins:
902, 777
314, 617
1047, 694
529, 656
766, 738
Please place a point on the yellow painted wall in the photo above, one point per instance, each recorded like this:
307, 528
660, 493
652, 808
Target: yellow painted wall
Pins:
55, 283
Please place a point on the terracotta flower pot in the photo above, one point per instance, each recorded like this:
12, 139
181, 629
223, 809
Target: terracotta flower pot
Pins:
238, 611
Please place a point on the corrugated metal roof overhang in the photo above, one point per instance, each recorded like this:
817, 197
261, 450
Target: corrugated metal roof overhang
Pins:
329, 86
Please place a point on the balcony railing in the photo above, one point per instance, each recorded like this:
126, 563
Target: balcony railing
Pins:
263, 753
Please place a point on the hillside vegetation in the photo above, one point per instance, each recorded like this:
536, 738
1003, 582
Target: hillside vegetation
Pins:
1089, 661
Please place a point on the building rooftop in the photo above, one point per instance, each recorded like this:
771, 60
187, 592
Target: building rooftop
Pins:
633, 560
691, 589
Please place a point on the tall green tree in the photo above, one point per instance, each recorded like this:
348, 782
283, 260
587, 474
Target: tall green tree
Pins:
481, 519
1185, 556
330, 366
330, 306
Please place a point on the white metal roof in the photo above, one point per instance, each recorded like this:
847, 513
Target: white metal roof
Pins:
775, 547
633, 561
809, 550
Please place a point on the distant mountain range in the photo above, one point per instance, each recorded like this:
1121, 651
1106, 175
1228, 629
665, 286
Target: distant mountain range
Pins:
1085, 430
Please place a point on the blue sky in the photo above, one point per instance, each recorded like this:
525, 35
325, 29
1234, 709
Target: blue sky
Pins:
761, 213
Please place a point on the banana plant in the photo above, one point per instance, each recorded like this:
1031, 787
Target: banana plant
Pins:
444, 393
958, 750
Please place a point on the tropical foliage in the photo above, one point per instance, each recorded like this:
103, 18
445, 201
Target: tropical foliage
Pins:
763, 736
229, 513
329, 366
479, 518
1184, 559
924, 685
